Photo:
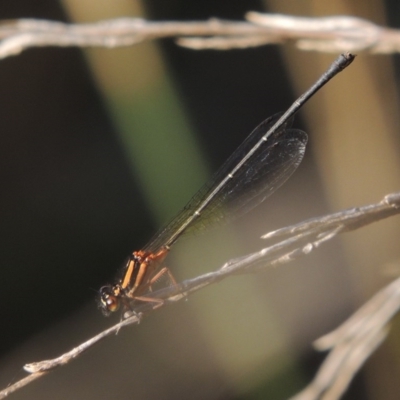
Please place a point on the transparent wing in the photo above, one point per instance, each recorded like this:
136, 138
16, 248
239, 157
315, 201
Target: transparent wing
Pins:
264, 172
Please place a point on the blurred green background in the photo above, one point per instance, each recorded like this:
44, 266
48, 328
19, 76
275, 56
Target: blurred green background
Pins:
99, 148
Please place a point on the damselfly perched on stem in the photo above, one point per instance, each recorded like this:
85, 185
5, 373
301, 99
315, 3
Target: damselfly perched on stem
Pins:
261, 164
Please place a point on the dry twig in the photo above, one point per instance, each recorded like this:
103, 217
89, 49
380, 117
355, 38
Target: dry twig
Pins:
351, 344
328, 34
302, 239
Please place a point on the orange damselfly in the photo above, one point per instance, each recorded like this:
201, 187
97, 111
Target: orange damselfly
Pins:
261, 164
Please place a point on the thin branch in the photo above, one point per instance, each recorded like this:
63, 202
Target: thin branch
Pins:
350, 219
328, 34
351, 344
304, 238
21, 383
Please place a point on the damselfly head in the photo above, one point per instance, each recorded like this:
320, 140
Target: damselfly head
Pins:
108, 301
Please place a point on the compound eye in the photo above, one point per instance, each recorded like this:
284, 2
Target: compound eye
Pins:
112, 303
108, 302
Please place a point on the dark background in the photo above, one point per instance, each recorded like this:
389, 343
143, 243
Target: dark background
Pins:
72, 209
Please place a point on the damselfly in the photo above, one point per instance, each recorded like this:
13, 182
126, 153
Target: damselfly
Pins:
262, 163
